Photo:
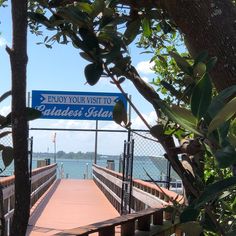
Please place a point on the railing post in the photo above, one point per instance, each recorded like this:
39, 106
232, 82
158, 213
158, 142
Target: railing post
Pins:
178, 232
144, 223
107, 231
128, 229
158, 217
2, 219
8, 220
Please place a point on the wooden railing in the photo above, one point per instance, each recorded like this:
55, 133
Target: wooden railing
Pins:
146, 222
42, 178
144, 194
148, 205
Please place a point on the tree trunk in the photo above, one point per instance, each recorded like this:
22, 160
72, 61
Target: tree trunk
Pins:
206, 25
18, 58
209, 25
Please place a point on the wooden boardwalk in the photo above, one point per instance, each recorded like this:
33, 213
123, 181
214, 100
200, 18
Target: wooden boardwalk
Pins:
69, 204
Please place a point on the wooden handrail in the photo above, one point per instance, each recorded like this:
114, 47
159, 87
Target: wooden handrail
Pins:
41, 179
148, 202
123, 221
144, 194
145, 186
149, 220
5, 181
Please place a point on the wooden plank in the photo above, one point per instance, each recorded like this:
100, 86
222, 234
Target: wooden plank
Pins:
111, 178
111, 222
8, 191
107, 189
41, 186
147, 198
41, 175
9, 214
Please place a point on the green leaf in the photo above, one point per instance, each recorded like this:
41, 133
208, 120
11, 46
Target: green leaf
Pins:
212, 190
7, 155
201, 57
201, 97
86, 7
165, 26
5, 133
39, 18
192, 228
2, 120
181, 63
219, 101
199, 69
1, 147
223, 115
32, 113
184, 113
233, 205
189, 214
178, 117
231, 233
119, 113
232, 133
157, 131
131, 31
73, 15
226, 156
98, 6
146, 27
93, 73
5, 95
89, 39
86, 56
211, 63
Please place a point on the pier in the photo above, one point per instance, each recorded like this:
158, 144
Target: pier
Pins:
91, 207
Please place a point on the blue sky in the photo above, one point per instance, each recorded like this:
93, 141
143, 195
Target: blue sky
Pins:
61, 69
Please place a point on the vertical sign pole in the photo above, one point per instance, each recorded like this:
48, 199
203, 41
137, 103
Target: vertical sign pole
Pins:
55, 147
130, 108
96, 143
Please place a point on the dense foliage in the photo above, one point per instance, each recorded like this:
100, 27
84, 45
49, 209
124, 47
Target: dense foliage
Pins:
193, 111
198, 84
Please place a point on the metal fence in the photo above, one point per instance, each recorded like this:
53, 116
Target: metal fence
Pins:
149, 161
6, 141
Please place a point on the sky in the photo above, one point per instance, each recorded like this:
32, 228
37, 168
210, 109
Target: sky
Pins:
62, 69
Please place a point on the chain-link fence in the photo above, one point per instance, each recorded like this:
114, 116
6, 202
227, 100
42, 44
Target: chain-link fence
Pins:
149, 161
6, 141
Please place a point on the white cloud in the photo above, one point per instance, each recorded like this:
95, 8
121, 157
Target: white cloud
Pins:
151, 118
5, 110
145, 67
3, 42
146, 79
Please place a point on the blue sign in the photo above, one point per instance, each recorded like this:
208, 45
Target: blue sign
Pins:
76, 105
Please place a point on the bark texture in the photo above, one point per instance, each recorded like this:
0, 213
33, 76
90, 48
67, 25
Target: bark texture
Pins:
18, 58
206, 25
209, 25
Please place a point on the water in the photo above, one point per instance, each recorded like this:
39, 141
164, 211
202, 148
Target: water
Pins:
82, 168
78, 169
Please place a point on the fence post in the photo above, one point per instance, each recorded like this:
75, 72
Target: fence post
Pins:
2, 219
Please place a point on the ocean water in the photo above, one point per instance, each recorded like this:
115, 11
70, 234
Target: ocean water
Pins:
82, 168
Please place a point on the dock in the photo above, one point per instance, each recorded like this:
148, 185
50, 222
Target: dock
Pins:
69, 204
66, 207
